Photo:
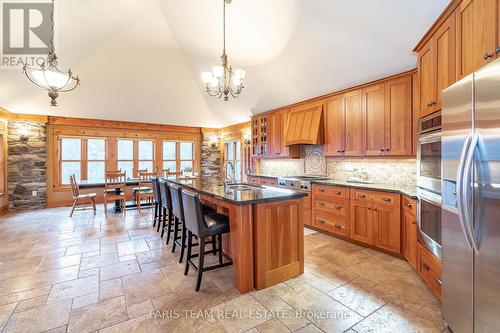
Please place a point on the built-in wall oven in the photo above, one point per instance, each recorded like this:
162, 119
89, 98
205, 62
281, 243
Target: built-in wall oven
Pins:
429, 182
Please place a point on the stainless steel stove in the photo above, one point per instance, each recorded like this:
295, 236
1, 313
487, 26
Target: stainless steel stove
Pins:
299, 182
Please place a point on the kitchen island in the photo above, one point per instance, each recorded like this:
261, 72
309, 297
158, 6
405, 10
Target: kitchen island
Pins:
266, 241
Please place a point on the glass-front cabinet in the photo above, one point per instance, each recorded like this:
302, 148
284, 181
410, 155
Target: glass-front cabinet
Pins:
260, 144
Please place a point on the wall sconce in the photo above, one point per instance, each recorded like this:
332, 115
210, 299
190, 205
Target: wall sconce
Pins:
24, 134
246, 139
213, 140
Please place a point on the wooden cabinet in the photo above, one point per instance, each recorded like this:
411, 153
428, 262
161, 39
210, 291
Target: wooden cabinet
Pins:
354, 123
436, 67
331, 209
476, 34
259, 136
398, 122
429, 269
253, 180
410, 229
376, 118
387, 227
305, 124
334, 120
361, 222
275, 130
268, 181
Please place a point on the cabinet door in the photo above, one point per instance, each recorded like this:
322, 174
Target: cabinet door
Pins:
374, 104
426, 79
274, 133
398, 120
263, 136
445, 57
334, 127
255, 136
387, 228
476, 35
354, 123
410, 238
360, 226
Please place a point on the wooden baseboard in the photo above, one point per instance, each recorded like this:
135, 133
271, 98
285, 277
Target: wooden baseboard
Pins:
69, 203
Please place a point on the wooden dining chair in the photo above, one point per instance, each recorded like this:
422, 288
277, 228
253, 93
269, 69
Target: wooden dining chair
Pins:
175, 174
162, 173
114, 189
145, 189
80, 199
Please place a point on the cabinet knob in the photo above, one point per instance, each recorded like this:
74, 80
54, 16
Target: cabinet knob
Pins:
408, 205
321, 221
338, 193
338, 207
497, 50
439, 281
382, 150
414, 222
361, 196
386, 199
431, 103
321, 190
338, 226
369, 208
322, 204
426, 266
487, 56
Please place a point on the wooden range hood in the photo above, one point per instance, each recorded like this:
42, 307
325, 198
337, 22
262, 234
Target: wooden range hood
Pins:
305, 126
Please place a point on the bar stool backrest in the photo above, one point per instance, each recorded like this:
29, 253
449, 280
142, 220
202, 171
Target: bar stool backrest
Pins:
155, 183
176, 196
193, 214
166, 200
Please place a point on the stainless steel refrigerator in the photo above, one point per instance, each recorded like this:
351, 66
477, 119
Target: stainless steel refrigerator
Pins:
471, 202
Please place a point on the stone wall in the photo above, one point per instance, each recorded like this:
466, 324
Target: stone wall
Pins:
26, 165
211, 161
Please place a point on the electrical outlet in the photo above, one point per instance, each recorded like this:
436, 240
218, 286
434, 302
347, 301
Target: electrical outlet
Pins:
34, 193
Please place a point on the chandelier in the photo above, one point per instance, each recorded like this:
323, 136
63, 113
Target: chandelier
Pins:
48, 76
223, 80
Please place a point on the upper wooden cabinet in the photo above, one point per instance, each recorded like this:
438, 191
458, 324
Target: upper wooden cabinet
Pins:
276, 127
436, 67
260, 136
334, 116
476, 22
398, 122
376, 119
354, 123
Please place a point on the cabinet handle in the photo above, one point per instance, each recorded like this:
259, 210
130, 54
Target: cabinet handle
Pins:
382, 150
431, 103
426, 267
387, 149
369, 208
487, 56
321, 221
386, 199
322, 204
340, 151
338, 226
361, 196
497, 50
338, 207
408, 205
321, 190
414, 222
439, 281
338, 193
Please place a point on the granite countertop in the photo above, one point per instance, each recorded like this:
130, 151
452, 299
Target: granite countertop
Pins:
410, 191
258, 194
261, 176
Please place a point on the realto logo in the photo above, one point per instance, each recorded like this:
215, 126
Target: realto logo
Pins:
26, 32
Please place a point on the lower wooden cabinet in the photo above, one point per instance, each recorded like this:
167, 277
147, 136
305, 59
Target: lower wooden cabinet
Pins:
253, 180
387, 227
268, 181
361, 222
331, 224
429, 269
410, 229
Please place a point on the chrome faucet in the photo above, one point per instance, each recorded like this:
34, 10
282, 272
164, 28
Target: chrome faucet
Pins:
228, 179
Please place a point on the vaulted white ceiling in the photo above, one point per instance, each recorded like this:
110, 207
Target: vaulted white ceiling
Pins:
141, 60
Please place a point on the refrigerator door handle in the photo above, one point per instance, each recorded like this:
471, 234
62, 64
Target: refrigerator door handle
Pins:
460, 188
467, 190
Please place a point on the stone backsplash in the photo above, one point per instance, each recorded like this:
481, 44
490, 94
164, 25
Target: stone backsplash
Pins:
26, 164
394, 171
210, 161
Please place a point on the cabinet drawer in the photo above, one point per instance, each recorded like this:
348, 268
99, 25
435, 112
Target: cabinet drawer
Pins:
361, 195
409, 205
332, 206
254, 180
338, 192
268, 181
388, 199
331, 224
429, 269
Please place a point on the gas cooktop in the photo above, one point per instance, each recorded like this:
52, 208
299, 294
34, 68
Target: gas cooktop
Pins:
299, 182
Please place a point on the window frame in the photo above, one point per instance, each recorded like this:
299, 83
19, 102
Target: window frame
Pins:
83, 156
233, 158
135, 155
178, 161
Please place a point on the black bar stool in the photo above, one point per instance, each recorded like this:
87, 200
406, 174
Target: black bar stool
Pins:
155, 184
180, 233
166, 204
203, 226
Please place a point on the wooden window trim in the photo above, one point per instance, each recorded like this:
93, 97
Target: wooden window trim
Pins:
178, 160
135, 155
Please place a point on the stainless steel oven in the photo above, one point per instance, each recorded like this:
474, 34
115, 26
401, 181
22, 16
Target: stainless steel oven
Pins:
429, 153
429, 220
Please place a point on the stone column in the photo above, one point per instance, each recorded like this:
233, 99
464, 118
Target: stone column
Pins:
26, 165
210, 161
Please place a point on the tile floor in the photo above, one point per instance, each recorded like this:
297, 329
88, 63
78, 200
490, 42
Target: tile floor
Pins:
114, 274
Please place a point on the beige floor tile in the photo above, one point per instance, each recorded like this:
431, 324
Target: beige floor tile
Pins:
272, 326
119, 270
140, 309
40, 319
110, 289
98, 261
140, 324
81, 301
19, 267
83, 248
50, 264
38, 280
5, 312
31, 303
132, 247
311, 328
357, 299
142, 286
97, 316
74, 288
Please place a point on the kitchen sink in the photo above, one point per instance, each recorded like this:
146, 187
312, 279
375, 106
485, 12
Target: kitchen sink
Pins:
243, 187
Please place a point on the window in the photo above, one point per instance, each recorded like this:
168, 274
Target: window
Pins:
134, 155
178, 156
233, 154
83, 157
